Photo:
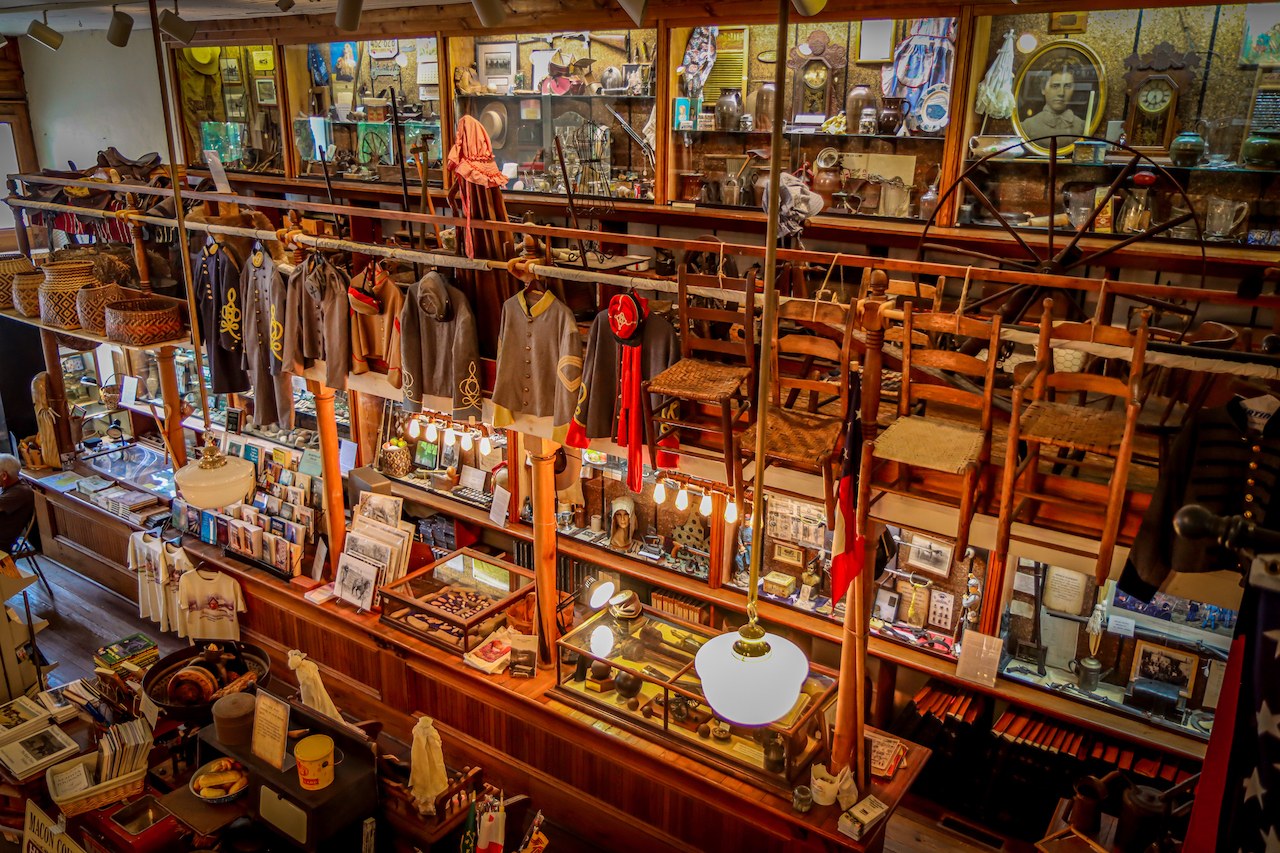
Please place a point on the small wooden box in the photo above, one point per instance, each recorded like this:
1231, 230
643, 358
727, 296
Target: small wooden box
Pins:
777, 583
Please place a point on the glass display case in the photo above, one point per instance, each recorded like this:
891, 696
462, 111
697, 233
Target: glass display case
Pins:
230, 103
340, 97
591, 91
457, 601
866, 106
635, 668
136, 466
1192, 90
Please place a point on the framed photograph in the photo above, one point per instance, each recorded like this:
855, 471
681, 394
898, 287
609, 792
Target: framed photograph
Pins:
368, 549
264, 89
496, 60
788, 554
356, 581
1168, 666
425, 454
875, 41
230, 67
264, 60
235, 416
1061, 91
235, 448
344, 57
930, 556
1258, 44
1065, 23
381, 508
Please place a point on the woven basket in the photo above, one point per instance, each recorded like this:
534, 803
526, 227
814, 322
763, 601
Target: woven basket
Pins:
109, 395
105, 794
140, 322
26, 293
91, 305
395, 461
62, 281
75, 343
10, 265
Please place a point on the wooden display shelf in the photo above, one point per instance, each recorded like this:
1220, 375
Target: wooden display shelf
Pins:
81, 334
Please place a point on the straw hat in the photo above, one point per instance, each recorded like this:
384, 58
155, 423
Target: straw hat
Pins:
203, 59
494, 120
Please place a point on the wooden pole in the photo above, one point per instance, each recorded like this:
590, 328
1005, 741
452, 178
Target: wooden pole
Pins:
172, 425
19, 224
139, 248
334, 505
849, 746
57, 392
543, 454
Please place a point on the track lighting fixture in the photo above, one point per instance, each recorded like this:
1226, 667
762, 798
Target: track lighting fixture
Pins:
44, 34
284, 5
432, 432
120, 27
414, 429
175, 27
347, 17
682, 498
635, 10
490, 12
659, 493
808, 8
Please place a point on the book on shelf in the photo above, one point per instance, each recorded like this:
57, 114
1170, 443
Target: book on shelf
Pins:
59, 701
20, 717
36, 752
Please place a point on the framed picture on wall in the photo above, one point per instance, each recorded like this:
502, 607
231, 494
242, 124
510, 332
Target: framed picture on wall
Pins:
264, 60
235, 106
230, 67
1168, 666
264, 89
495, 62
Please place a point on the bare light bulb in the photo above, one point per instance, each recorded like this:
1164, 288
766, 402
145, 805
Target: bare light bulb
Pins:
432, 432
731, 512
415, 428
659, 493
466, 440
705, 506
450, 437
486, 446
682, 499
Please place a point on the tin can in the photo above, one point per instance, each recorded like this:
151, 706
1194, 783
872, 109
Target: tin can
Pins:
315, 762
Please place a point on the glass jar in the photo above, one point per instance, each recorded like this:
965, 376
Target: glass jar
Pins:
766, 97
867, 122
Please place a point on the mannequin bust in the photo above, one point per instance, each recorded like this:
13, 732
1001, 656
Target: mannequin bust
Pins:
621, 523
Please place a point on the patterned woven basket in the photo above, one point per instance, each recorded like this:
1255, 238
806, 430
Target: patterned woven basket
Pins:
26, 293
58, 305
395, 461
10, 265
140, 322
91, 305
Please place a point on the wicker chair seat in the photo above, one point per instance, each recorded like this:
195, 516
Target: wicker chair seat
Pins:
1077, 427
703, 381
797, 437
929, 443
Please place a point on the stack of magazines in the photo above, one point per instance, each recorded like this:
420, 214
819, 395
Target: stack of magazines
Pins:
137, 649
123, 749
29, 741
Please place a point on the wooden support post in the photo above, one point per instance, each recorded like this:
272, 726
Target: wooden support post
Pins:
19, 224
172, 406
139, 250
57, 391
543, 454
334, 505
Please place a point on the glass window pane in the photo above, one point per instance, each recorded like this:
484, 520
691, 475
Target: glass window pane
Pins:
230, 104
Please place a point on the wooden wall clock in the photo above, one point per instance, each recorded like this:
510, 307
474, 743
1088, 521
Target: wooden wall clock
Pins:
816, 62
1156, 81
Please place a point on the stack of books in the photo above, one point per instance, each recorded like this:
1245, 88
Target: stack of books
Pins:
63, 702
124, 502
29, 741
20, 718
136, 650
123, 749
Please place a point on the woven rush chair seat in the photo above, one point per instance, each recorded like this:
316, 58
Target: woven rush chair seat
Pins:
703, 381
1065, 425
797, 437
930, 443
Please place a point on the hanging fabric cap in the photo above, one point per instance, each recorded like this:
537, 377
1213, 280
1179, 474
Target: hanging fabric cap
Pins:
626, 318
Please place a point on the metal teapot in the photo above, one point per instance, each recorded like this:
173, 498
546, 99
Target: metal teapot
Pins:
1088, 673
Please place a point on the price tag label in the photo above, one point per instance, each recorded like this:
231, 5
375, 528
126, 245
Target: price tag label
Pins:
1121, 625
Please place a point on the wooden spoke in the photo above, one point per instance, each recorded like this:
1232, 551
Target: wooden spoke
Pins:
1053, 191
974, 253
986, 202
1141, 235
996, 297
1098, 208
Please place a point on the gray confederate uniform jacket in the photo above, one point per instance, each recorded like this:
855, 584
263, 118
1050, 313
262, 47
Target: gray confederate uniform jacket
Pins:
539, 362
440, 348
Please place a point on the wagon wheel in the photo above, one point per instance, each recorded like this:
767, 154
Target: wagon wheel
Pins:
373, 147
1053, 253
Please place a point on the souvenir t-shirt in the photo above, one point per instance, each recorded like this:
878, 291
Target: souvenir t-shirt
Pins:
146, 557
179, 564
211, 601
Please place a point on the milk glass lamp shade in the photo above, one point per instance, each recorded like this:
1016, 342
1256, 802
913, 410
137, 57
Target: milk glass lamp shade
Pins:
749, 681
214, 480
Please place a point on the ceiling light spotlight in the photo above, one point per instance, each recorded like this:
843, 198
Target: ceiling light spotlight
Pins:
659, 493
705, 506
490, 12
44, 34
120, 27
682, 498
731, 512
635, 10
284, 5
432, 432
175, 27
348, 15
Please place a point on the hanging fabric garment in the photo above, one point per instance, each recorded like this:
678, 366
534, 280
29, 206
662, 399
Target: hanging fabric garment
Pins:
427, 775
924, 59
440, 348
539, 363
217, 287
471, 159
317, 324
264, 292
375, 322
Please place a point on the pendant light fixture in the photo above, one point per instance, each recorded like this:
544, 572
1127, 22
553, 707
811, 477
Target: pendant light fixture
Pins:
175, 27
682, 498
120, 27
730, 511
659, 493
432, 432
450, 437
414, 429
753, 678
214, 480
347, 17
466, 440
704, 506
490, 12
44, 34
486, 445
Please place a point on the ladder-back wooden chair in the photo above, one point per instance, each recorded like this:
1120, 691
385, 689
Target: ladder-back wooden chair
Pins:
921, 440
808, 435
713, 370
1073, 428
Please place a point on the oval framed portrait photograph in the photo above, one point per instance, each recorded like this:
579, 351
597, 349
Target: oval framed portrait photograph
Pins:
1061, 90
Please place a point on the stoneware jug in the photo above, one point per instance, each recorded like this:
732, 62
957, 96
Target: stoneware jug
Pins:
860, 97
892, 112
1188, 147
